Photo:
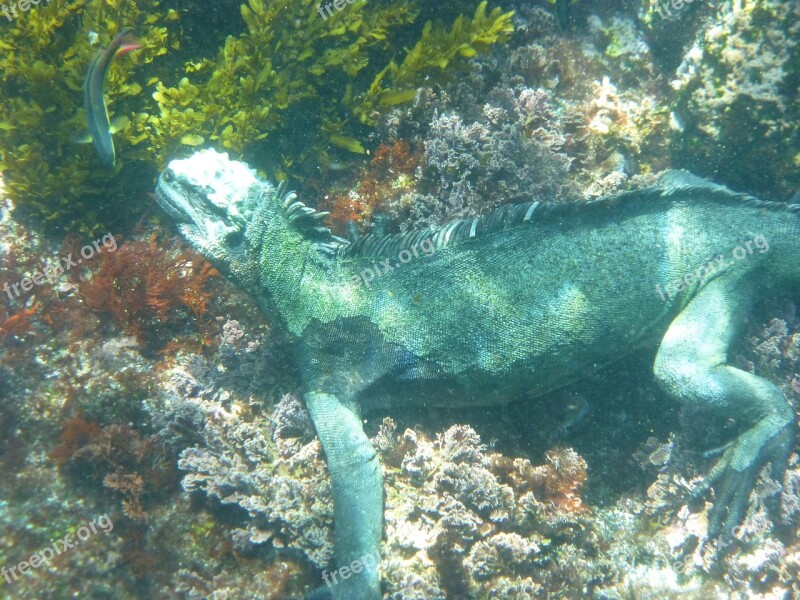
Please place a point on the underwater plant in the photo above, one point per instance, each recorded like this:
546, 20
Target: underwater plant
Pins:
310, 84
387, 178
141, 285
44, 59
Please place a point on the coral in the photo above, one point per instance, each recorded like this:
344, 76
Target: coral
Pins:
462, 475
80, 404
736, 108
262, 468
492, 159
134, 467
469, 167
501, 553
773, 348
475, 166
450, 502
477, 515
541, 117
559, 480
242, 366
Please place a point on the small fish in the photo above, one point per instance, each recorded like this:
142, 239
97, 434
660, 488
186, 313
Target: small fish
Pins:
575, 412
100, 129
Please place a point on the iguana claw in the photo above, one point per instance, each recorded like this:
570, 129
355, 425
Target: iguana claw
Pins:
734, 476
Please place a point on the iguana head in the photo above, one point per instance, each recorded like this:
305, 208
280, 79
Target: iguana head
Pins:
212, 199
262, 239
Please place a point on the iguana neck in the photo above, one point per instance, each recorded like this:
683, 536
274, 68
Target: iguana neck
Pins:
294, 281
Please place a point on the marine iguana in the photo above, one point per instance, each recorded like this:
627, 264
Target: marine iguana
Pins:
511, 305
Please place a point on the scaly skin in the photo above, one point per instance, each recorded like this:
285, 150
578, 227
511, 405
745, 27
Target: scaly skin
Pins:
508, 314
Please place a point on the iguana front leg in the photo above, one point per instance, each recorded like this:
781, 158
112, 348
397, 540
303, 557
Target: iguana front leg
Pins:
357, 484
691, 365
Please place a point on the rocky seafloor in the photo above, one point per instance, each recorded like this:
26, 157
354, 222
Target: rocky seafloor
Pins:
142, 386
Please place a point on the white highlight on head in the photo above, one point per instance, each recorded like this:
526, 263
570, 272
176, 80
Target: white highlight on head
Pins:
225, 181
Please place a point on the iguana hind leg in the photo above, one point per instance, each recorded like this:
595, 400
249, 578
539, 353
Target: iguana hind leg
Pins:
691, 365
357, 484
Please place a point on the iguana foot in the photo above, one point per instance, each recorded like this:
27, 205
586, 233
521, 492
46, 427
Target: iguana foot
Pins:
734, 475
